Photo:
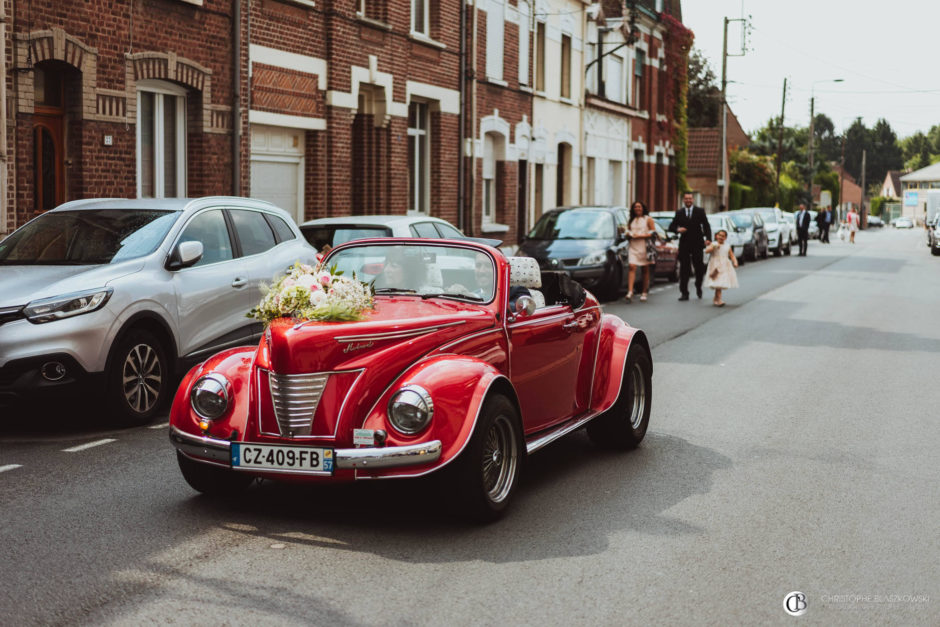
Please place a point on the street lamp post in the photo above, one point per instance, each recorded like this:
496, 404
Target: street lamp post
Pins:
812, 121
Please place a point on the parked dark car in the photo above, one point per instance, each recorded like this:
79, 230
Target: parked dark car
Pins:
588, 244
751, 226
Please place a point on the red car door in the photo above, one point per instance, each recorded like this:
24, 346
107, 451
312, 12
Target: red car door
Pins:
551, 360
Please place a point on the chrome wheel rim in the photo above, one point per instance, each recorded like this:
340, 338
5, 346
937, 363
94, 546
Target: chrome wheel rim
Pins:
499, 459
638, 386
141, 378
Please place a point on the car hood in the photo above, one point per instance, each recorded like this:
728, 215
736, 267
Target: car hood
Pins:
395, 333
543, 249
21, 284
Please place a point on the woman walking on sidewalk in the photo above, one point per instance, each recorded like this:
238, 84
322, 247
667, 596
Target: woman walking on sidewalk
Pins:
721, 265
640, 228
851, 224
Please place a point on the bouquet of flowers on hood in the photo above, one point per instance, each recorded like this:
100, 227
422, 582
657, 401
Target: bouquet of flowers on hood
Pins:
314, 293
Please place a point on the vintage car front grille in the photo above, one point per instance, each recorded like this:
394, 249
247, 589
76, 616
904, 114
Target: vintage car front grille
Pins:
296, 397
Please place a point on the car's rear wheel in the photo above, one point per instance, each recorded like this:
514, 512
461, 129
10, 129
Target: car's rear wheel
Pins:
138, 379
212, 480
611, 289
624, 425
487, 471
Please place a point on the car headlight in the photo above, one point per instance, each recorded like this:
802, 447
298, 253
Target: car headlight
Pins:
410, 409
593, 259
210, 396
67, 305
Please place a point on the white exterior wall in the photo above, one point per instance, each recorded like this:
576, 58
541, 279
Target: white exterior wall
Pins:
557, 120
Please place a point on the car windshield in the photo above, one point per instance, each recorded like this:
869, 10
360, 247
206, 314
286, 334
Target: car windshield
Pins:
742, 220
716, 223
87, 237
769, 215
425, 271
574, 224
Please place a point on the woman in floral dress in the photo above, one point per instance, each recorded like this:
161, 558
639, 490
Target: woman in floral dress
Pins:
640, 228
721, 265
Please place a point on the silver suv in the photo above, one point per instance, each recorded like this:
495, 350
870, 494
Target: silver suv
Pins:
119, 295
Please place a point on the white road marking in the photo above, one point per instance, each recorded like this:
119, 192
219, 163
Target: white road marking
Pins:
10, 467
164, 425
82, 447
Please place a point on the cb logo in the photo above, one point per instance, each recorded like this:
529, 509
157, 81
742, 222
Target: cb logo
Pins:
795, 603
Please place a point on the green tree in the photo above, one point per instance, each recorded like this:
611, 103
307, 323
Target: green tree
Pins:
885, 154
857, 140
754, 175
704, 97
915, 151
827, 146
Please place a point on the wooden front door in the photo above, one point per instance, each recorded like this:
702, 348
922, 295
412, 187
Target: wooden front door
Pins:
48, 161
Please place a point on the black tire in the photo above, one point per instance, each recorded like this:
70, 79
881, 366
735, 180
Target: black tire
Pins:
788, 250
487, 472
752, 254
765, 253
138, 378
778, 251
935, 250
212, 480
611, 289
624, 425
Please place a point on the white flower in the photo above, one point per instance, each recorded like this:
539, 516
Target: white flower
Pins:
317, 298
306, 281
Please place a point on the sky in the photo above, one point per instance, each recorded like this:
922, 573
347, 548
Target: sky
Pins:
885, 52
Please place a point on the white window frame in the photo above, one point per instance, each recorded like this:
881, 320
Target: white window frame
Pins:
163, 91
525, 24
495, 38
421, 170
489, 179
425, 28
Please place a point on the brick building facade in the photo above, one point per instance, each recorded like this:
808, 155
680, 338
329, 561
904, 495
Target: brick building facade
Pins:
334, 107
117, 100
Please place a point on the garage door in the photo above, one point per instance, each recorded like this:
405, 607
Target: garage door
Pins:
277, 167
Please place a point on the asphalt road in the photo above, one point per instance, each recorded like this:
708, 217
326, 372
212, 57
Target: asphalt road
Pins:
792, 447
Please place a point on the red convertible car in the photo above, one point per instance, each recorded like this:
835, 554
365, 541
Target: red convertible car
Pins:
468, 362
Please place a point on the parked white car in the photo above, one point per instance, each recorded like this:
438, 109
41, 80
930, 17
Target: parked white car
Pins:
904, 223
324, 233
114, 296
779, 238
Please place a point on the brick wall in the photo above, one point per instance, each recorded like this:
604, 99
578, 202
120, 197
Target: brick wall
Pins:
91, 41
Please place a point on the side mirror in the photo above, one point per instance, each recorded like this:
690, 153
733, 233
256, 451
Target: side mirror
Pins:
525, 306
185, 255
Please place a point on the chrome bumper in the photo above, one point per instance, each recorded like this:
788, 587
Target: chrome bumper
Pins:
219, 451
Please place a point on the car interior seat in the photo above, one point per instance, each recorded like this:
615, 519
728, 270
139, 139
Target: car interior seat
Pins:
524, 272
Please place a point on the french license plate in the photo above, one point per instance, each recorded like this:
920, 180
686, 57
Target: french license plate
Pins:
295, 458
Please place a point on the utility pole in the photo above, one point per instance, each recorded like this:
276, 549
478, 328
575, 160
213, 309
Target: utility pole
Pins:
812, 170
783, 105
725, 183
863, 216
841, 181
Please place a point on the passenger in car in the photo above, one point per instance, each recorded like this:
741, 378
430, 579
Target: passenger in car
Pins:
404, 270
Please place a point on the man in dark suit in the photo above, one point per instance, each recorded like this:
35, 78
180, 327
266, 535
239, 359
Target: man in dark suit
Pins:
694, 234
802, 228
824, 220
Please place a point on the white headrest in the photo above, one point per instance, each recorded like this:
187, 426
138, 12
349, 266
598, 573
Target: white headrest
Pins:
524, 272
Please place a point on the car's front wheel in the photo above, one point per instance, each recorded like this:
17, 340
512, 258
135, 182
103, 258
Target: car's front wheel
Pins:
487, 471
212, 480
138, 379
624, 425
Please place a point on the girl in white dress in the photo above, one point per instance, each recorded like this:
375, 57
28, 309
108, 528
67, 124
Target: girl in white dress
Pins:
721, 265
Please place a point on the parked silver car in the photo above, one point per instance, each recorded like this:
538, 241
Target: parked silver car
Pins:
722, 222
117, 295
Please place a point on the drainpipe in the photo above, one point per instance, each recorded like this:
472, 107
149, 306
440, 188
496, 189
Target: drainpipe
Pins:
473, 127
236, 97
461, 205
4, 191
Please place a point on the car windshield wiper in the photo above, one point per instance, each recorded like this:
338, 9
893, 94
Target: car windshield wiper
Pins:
473, 297
394, 290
